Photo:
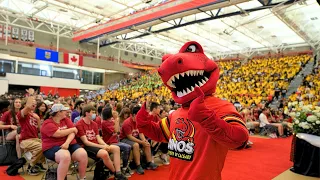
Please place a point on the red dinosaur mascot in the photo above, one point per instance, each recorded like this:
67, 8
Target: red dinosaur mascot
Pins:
200, 133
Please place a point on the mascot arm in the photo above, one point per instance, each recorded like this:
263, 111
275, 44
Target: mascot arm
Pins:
156, 131
229, 131
221, 123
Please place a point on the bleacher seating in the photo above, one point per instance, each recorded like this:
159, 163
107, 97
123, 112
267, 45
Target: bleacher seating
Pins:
257, 80
308, 92
248, 83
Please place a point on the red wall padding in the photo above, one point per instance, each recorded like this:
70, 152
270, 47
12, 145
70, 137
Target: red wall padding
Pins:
63, 92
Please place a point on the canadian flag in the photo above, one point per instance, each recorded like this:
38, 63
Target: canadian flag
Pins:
73, 59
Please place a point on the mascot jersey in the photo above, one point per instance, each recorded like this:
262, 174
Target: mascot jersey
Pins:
200, 133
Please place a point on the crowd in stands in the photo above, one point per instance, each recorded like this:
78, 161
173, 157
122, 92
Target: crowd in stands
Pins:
67, 129
308, 92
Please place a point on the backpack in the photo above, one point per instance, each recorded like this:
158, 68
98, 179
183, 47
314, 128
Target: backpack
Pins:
8, 153
100, 172
13, 169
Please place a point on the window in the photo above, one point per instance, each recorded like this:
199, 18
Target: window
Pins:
87, 77
34, 69
97, 78
7, 66
66, 73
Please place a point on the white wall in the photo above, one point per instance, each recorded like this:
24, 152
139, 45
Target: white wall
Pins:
4, 85
29, 80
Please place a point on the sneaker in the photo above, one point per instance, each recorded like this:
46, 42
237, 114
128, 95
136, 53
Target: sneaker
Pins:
249, 143
140, 170
32, 171
120, 177
126, 173
40, 167
129, 171
152, 166
164, 159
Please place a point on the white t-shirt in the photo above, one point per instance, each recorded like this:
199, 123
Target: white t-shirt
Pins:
263, 120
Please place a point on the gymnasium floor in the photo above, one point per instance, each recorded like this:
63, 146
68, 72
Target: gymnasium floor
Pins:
267, 159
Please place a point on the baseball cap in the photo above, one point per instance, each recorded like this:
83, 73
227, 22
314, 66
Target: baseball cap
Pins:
57, 108
171, 111
47, 102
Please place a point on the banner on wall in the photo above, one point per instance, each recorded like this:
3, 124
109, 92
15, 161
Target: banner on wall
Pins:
47, 55
31, 36
24, 35
73, 59
15, 33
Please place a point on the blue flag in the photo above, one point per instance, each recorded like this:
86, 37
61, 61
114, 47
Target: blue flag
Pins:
47, 55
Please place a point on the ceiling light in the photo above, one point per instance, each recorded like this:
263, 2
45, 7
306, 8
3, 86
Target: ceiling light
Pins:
274, 36
99, 7
63, 10
260, 27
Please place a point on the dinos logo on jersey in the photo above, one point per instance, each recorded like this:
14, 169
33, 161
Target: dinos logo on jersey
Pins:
181, 145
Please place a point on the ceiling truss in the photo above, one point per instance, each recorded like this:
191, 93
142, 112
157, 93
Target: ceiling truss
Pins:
139, 49
11, 18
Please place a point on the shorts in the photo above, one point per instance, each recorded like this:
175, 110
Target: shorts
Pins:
51, 153
92, 151
128, 141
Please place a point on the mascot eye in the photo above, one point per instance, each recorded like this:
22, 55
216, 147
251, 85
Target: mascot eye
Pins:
192, 48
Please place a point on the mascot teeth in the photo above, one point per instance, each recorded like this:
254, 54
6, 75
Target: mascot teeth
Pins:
187, 81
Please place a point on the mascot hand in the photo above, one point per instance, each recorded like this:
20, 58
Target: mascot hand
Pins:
198, 111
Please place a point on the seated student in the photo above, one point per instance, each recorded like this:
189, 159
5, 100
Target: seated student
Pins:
264, 123
29, 140
9, 122
59, 144
110, 130
94, 145
154, 115
130, 135
77, 109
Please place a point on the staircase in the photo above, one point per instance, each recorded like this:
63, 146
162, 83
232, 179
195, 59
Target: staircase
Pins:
296, 82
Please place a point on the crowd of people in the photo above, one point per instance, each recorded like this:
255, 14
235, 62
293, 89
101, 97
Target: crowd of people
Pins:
308, 92
67, 129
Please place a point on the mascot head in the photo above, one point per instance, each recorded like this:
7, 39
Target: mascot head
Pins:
188, 69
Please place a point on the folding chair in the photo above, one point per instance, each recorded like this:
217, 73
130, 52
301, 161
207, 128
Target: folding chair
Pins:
51, 167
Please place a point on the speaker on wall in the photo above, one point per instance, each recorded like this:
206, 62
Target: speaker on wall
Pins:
3, 74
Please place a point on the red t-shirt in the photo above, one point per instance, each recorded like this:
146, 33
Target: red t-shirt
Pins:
41, 116
29, 126
108, 134
49, 127
7, 118
98, 121
89, 130
129, 127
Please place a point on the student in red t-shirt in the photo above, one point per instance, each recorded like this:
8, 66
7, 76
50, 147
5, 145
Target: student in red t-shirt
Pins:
130, 135
29, 140
59, 144
10, 123
154, 115
94, 145
9, 120
110, 130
